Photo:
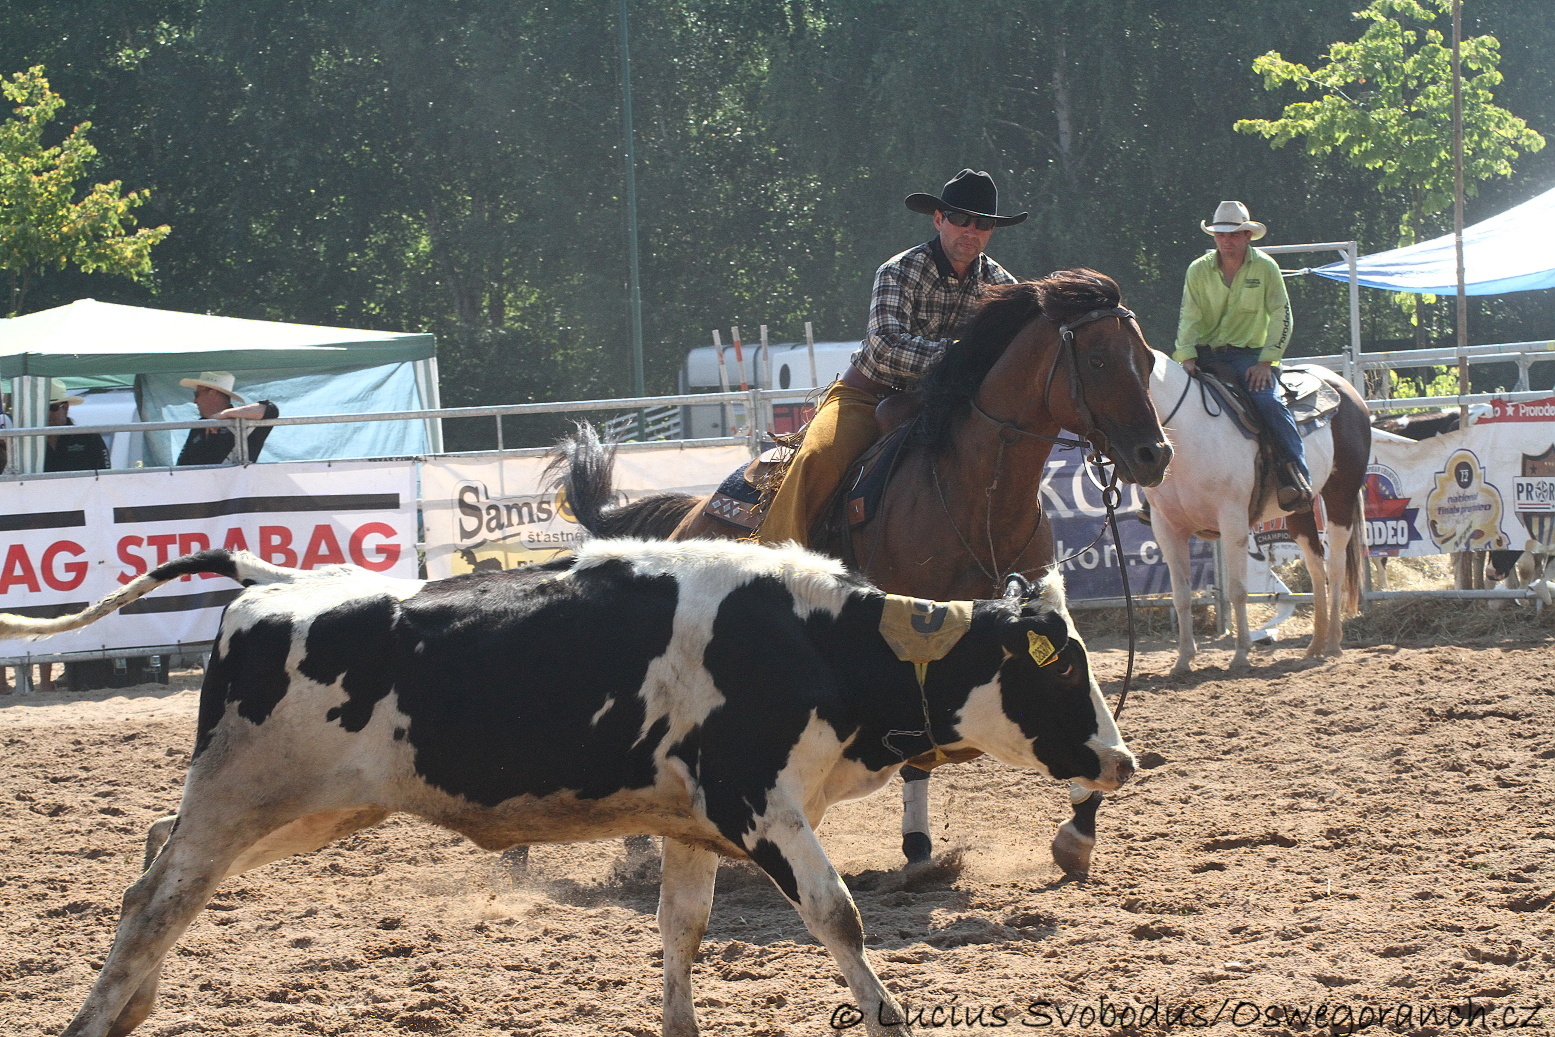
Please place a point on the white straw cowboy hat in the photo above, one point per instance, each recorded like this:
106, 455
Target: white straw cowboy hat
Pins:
221, 381
1231, 217
59, 394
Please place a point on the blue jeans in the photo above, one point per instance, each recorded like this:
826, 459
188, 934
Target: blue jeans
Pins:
1276, 416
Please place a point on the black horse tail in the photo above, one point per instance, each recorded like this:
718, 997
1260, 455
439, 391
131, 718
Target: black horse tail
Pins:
583, 468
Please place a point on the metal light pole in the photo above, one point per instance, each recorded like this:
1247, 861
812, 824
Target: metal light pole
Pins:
1471, 564
1457, 203
636, 294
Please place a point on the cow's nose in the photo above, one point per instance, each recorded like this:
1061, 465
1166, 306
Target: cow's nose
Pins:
1119, 768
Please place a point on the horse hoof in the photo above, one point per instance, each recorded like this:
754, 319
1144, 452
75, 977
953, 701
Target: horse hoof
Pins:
1071, 851
1238, 666
1182, 669
917, 847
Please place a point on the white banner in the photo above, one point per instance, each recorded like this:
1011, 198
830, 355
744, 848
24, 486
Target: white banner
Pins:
66, 543
1490, 486
496, 513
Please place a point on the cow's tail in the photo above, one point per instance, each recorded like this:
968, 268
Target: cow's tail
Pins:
235, 565
583, 467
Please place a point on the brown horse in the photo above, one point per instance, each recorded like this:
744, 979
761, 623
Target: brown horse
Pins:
962, 511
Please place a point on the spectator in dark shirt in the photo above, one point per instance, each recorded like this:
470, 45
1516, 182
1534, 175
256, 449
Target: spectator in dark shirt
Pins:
81, 452
214, 396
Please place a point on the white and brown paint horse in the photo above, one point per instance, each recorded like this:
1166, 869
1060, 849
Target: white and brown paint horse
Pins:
1210, 489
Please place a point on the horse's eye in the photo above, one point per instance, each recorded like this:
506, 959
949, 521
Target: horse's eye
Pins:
1097, 363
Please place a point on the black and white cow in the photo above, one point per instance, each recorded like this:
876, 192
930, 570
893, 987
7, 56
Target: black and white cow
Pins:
720, 695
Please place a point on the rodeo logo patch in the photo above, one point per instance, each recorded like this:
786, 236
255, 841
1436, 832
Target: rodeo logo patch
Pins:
1463, 511
1390, 521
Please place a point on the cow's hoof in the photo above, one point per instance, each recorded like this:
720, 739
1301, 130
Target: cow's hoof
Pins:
917, 847
1071, 851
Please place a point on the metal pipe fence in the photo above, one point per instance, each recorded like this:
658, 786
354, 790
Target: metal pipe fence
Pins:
755, 401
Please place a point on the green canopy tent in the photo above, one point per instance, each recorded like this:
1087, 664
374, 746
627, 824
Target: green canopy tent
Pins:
304, 368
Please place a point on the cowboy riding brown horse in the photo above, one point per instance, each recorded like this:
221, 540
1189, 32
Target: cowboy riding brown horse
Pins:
961, 511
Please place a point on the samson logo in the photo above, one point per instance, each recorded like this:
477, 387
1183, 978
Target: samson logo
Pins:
481, 518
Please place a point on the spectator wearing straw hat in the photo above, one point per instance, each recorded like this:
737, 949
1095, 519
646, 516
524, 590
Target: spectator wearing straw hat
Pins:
215, 396
73, 452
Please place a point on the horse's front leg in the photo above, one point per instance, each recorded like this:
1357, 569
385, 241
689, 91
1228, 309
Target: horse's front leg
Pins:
1174, 551
917, 844
1234, 546
1076, 838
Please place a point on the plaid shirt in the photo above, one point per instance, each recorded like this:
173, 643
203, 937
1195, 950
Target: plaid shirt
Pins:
917, 309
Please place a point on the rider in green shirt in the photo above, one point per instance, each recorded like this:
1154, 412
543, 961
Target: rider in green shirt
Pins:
1236, 316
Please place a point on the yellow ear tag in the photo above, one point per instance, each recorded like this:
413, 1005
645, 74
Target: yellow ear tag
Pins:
1041, 648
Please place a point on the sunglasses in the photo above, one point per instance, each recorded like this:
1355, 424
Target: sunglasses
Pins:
961, 219
54, 407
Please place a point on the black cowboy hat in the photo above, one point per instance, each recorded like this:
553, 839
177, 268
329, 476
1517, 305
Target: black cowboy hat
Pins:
969, 191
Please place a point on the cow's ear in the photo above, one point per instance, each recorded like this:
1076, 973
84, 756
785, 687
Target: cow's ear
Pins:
1047, 633
1017, 587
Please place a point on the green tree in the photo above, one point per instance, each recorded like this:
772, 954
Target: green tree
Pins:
42, 226
1387, 107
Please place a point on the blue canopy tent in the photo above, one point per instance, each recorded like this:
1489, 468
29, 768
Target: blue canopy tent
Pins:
1511, 252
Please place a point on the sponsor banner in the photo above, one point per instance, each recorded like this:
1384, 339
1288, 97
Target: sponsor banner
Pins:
1490, 486
1074, 505
497, 514
66, 543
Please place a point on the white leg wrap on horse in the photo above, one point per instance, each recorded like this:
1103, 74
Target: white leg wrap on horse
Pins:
915, 807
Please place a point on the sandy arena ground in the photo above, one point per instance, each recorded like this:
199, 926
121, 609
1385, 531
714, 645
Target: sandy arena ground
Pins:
1366, 836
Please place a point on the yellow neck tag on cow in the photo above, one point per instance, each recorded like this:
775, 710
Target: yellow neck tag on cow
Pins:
1041, 648
923, 631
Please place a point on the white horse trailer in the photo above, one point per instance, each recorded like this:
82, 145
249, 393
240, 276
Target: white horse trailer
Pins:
787, 367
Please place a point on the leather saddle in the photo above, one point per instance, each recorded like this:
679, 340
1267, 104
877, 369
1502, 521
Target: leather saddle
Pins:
1311, 401
742, 499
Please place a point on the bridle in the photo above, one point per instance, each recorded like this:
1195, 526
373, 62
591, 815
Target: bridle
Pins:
1067, 354
1010, 432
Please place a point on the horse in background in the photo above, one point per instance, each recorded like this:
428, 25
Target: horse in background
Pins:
1211, 490
962, 509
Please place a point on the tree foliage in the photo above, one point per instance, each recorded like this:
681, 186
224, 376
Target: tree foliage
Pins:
43, 226
1386, 106
456, 166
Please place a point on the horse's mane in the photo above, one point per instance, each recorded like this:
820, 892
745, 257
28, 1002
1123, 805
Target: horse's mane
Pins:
1006, 309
